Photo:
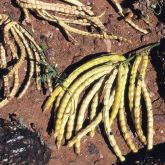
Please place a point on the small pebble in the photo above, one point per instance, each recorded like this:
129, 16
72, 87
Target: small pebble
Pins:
92, 149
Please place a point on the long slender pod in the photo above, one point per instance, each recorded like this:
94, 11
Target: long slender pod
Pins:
118, 6
31, 62
78, 71
150, 120
80, 80
119, 88
69, 95
93, 111
49, 17
3, 66
86, 130
14, 54
128, 19
23, 53
122, 118
83, 109
133, 76
138, 99
107, 106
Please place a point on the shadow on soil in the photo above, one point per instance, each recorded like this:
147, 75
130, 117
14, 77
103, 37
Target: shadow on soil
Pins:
155, 156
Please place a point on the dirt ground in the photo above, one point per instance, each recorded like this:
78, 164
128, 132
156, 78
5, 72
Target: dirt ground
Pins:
64, 53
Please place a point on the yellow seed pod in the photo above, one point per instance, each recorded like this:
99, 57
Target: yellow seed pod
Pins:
13, 91
122, 118
78, 71
128, 19
107, 126
23, 53
68, 96
77, 11
118, 6
93, 111
3, 66
30, 58
83, 108
137, 104
119, 88
63, 125
132, 80
86, 130
150, 120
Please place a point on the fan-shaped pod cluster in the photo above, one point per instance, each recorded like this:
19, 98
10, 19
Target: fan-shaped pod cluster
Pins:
17, 50
102, 81
72, 12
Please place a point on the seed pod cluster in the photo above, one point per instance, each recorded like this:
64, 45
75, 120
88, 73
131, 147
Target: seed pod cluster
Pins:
19, 49
128, 18
102, 82
66, 15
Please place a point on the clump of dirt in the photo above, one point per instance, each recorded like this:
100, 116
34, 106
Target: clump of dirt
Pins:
20, 145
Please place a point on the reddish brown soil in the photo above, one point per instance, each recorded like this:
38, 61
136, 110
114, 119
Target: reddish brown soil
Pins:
64, 53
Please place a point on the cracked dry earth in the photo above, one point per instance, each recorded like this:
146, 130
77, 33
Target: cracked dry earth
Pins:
63, 53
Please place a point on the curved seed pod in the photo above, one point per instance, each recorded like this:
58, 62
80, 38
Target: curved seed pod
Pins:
37, 69
122, 118
49, 82
26, 14
70, 96
4, 19
87, 9
30, 38
77, 72
119, 87
38, 55
84, 33
81, 79
86, 130
89, 18
107, 105
56, 7
82, 110
23, 54
108, 101
68, 10
74, 101
70, 124
14, 54
138, 98
85, 103
128, 19
31, 59
118, 6
13, 91
150, 120
108, 86
92, 113
58, 100
132, 80
52, 18
63, 125
3, 66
